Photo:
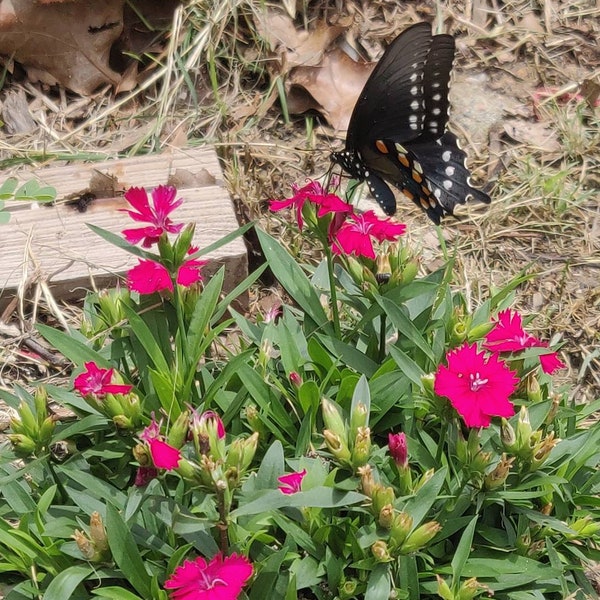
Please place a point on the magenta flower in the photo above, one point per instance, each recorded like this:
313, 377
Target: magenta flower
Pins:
508, 335
477, 387
398, 448
148, 277
95, 381
290, 484
164, 456
189, 272
220, 579
163, 204
312, 191
355, 235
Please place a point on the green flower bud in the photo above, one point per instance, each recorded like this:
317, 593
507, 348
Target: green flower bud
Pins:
470, 588
542, 449
479, 331
26, 422
98, 532
409, 272
380, 551
178, 432
23, 445
40, 400
367, 481
381, 496
386, 516
347, 590
401, 527
424, 479
333, 419
443, 589
585, 527
498, 476
420, 537
362, 447
523, 432
534, 391
337, 446
359, 417
46, 431
123, 422
508, 436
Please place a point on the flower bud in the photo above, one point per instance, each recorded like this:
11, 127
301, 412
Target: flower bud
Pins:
359, 417
443, 589
508, 436
384, 269
333, 419
542, 449
40, 402
423, 480
401, 527
347, 590
553, 410
470, 588
23, 445
380, 551
295, 379
336, 446
381, 496
498, 476
362, 447
367, 481
409, 272
386, 516
420, 537
534, 392
428, 381
141, 453
523, 432
26, 422
84, 544
398, 449
98, 532
178, 432
480, 331
123, 422
46, 431
208, 432
585, 527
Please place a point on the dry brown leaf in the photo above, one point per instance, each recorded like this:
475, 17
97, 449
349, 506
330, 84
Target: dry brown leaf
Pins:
537, 135
63, 43
297, 47
332, 88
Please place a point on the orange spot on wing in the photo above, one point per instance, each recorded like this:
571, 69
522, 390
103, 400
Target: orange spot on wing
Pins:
379, 144
403, 160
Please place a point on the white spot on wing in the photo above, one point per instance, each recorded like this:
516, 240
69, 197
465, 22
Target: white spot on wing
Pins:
446, 155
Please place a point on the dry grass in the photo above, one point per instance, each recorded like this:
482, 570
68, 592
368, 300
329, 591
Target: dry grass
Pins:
217, 81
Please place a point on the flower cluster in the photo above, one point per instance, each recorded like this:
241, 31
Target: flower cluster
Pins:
150, 276
479, 384
348, 232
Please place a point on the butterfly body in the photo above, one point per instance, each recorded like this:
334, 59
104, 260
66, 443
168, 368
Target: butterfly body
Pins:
397, 132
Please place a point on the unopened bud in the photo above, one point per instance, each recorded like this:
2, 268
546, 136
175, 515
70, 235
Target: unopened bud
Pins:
362, 447
534, 391
420, 537
98, 532
508, 436
359, 417
542, 450
443, 589
333, 419
336, 446
23, 445
424, 479
178, 432
367, 481
470, 588
498, 476
386, 516
380, 551
381, 497
402, 526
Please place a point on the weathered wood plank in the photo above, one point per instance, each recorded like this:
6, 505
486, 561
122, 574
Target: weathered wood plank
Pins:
55, 244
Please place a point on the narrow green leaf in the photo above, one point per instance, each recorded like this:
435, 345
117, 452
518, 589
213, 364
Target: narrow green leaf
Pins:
115, 593
407, 365
463, 550
76, 351
125, 552
379, 585
292, 277
418, 506
120, 242
66, 582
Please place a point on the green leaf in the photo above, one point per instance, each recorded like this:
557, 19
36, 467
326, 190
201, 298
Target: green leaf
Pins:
115, 593
75, 350
407, 365
289, 274
463, 550
146, 339
405, 326
379, 586
120, 242
125, 552
66, 582
419, 505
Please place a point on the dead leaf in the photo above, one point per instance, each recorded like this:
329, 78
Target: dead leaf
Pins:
182, 178
297, 46
334, 86
65, 43
537, 135
15, 113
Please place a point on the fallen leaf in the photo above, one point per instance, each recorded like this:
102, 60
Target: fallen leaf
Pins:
334, 86
537, 135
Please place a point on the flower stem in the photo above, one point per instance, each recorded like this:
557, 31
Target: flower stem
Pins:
332, 291
382, 327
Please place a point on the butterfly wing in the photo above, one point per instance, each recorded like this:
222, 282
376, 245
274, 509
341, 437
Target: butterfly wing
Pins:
397, 131
392, 98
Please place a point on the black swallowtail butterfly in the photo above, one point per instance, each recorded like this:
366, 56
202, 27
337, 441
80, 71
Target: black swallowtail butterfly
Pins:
397, 131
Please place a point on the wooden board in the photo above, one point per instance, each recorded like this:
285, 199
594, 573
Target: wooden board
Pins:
54, 244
